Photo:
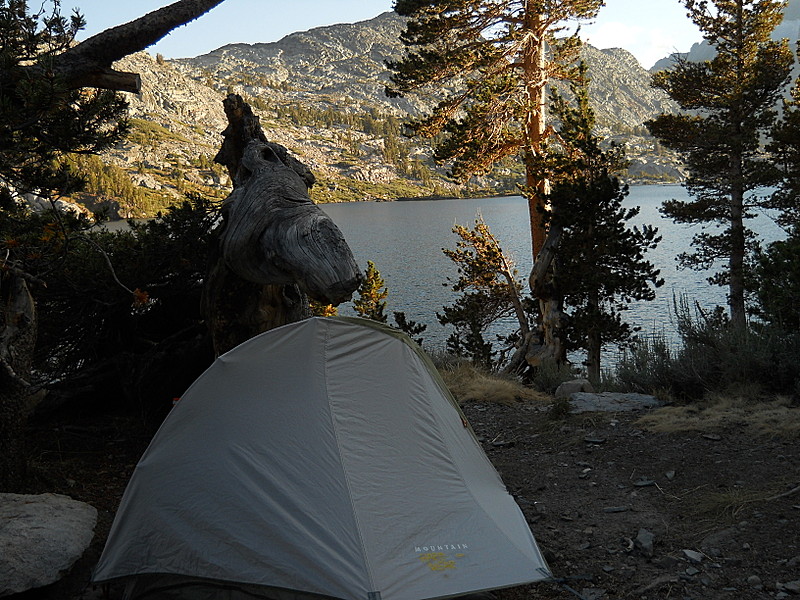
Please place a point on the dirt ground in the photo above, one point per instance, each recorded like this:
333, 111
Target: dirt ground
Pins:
623, 512
619, 510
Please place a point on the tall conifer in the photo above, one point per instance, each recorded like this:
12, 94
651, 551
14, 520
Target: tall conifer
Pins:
492, 60
729, 105
600, 260
488, 63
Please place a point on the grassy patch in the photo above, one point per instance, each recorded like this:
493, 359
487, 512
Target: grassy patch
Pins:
726, 506
776, 417
470, 384
146, 132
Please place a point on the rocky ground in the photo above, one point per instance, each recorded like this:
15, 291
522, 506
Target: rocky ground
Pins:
623, 512
619, 510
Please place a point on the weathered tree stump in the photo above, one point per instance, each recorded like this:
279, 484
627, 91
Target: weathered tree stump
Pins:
276, 247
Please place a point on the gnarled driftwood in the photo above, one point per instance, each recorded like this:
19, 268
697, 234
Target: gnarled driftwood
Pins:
275, 245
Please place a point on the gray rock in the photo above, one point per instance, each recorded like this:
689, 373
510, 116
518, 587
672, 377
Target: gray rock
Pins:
41, 537
716, 539
754, 581
644, 542
582, 401
693, 557
568, 388
792, 587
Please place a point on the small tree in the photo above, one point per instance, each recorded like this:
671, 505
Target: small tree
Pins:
490, 289
599, 265
371, 304
372, 294
729, 105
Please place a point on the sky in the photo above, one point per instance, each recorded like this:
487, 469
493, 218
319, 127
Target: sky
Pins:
650, 29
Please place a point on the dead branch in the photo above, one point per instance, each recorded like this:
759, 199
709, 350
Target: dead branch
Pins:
88, 64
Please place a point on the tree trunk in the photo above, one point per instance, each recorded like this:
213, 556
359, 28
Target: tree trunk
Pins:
544, 287
237, 309
17, 340
550, 344
534, 61
276, 247
594, 345
737, 249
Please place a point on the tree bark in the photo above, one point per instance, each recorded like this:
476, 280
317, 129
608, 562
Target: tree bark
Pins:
542, 282
275, 245
534, 61
236, 309
594, 346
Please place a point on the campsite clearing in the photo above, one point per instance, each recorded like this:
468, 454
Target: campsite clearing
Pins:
718, 503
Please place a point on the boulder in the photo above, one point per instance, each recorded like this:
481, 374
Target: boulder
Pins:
41, 537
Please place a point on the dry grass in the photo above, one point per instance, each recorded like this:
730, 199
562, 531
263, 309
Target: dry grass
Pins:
727, 505
776, 417
469, 384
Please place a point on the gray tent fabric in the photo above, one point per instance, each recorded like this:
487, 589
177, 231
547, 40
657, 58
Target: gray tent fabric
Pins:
322, 458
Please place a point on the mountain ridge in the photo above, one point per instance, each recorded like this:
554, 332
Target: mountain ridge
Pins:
321, 94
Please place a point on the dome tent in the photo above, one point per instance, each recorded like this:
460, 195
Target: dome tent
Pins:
322, 458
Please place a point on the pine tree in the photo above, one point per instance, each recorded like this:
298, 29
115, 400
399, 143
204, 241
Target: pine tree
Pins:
490, 289
599, 266
40, 119
372, 294
785, 148
777, 267
47, 111
497, 57
729, 104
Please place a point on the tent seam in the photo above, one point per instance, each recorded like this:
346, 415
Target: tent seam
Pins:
335, 428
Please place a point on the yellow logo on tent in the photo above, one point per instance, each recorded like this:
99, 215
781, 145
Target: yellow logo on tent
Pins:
437, 561
437, 557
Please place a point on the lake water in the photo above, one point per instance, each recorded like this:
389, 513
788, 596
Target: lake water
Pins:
405, 241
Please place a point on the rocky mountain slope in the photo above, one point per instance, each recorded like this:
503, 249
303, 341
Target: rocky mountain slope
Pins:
320, 93
342, 66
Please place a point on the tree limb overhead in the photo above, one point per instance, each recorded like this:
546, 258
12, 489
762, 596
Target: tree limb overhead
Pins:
89, 63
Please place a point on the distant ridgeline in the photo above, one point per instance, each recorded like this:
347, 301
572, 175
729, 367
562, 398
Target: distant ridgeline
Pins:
320, 93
